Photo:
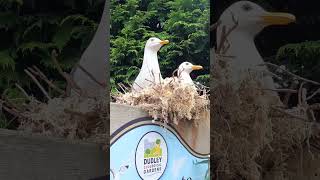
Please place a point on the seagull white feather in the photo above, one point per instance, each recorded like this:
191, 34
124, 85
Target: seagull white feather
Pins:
250, 19
184, 71
150, 71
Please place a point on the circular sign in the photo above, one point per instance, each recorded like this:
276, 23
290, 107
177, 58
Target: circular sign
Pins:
151, 156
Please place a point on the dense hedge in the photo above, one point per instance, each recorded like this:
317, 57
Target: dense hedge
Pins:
31, 29
184, 22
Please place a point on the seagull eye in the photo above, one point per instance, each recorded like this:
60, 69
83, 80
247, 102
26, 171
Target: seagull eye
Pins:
187, 64
247, 7
152, 39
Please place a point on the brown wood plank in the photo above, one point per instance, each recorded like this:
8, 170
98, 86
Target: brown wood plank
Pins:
33, 157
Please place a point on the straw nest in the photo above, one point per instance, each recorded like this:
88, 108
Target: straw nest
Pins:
61, 114
253, 133
170, 101
73, 117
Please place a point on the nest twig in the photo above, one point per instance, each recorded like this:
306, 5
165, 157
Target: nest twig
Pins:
74, 117
253, 134
169, 101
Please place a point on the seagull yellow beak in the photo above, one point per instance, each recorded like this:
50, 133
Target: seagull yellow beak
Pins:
194, 67
278, 18
164, 42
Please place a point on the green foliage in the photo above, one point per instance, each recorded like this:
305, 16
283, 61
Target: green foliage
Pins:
7, 61
158, 141
148, 151
203, 79
302, 58
31, 30
185, 23
4, 122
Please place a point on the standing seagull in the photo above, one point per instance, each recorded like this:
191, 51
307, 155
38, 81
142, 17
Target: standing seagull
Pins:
94, 61
246, 20
184, 71
150, 71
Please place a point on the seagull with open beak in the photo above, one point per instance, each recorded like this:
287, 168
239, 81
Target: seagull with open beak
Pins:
150, 71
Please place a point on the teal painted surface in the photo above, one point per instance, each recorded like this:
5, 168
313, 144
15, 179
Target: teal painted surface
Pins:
181, 164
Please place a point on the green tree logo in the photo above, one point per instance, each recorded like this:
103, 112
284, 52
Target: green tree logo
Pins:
147, 151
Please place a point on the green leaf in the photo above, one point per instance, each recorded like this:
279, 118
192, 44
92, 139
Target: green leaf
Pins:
34, 28
6, 61
8, 20
31, 46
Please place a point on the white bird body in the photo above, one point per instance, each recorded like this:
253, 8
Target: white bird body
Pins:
185, 78
184, 71
246, 58
247, 19
150, 71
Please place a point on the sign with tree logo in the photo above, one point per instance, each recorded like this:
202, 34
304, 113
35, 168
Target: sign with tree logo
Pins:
146, 150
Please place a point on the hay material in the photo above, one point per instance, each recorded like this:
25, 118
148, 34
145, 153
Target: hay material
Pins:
253, 134
66, 115
170, 101
73, 117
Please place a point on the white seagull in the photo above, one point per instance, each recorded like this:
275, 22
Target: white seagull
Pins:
247, 19
184, 71
150, 71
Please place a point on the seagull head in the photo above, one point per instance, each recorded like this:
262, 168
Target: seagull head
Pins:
155, 43
188, 67
252, 18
